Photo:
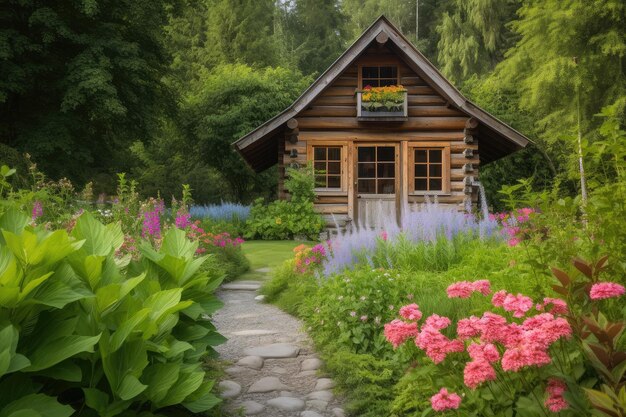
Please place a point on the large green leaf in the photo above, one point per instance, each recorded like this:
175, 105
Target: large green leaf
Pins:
202, 404
160, 378
36, 404
187, 383
100, 240
10, 361
126, 328
130, 388
99, 401
14, 221
45, 356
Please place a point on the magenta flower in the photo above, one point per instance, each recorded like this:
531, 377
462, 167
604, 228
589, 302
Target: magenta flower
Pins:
444, 400
182, 220
37, 210
603, 290
151, 224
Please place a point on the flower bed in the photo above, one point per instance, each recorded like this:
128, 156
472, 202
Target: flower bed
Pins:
382, 101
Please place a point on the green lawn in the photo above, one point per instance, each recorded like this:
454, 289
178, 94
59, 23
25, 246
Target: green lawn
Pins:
267, 254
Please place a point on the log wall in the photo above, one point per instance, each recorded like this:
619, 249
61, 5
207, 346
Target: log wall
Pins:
331, 118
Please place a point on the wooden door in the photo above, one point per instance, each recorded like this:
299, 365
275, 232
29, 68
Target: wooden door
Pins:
377, 184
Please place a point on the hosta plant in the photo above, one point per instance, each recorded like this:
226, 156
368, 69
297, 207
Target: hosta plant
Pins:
85, 330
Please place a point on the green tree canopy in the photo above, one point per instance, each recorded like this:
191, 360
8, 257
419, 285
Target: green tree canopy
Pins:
229, 102
81, 80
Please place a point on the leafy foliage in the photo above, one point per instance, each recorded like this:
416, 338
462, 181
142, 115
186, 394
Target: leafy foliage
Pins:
105, 334
282, 219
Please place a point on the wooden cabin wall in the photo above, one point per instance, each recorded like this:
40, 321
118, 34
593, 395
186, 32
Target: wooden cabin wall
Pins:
332, 118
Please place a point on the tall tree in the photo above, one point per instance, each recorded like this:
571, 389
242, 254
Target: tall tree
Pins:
320, 34
243, 31
229, 102
81, 80
473, 36
567, 66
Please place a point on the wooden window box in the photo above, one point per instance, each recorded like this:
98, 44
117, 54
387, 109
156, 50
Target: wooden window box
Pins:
384, 115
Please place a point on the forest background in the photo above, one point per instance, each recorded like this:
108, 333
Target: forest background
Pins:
160, 89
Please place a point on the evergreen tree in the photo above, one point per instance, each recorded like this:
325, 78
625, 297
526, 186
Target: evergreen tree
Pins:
473, 36
319, 33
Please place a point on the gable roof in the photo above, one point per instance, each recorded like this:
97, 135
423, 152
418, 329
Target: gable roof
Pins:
260, 147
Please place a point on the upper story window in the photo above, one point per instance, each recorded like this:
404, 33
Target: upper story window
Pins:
327, 164
379, 76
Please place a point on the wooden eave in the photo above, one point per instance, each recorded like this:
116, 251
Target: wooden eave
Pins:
256, 154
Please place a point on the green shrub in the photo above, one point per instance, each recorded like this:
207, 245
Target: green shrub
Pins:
106, 335
231, 259
283, 219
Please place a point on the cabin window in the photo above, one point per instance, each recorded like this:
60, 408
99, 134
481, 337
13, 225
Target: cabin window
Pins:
379, 76
376, 169
327, 164
430, 170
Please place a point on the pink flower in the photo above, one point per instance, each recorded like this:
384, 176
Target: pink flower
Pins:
482, 286
437, 322
518, 304
461, 289
363, 318
469, 327
604, 290
558, 306
498, 298
384, 236
353, 313
444, 400
555, 401
411, 312
513, 242
398, 332
492, 327
483, 352
476, 372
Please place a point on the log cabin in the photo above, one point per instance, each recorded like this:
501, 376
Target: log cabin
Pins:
385, 131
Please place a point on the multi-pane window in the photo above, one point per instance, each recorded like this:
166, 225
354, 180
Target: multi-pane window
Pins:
376, 169
327, 164
428, 169
379, 76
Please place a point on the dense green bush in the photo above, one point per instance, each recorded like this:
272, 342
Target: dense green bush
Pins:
282, 219
85, 330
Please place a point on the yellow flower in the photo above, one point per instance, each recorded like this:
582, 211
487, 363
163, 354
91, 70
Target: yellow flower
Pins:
278, 220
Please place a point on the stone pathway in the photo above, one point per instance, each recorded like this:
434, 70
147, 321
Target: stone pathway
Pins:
274, 371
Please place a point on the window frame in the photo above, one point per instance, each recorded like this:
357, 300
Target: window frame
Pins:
343, 160
445, 167
376, 162
378, 64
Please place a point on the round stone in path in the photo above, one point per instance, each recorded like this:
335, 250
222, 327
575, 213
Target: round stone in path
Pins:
338, 412
320, 395
274, 351
287, 403
259, 298
311, 364
242, 286
279, 370
229, 389
318, 405
254, 362
310, 413
267, 384
254, 332
324, 384
252, 407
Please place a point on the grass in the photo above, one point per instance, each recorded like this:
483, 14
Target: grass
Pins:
267, 254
